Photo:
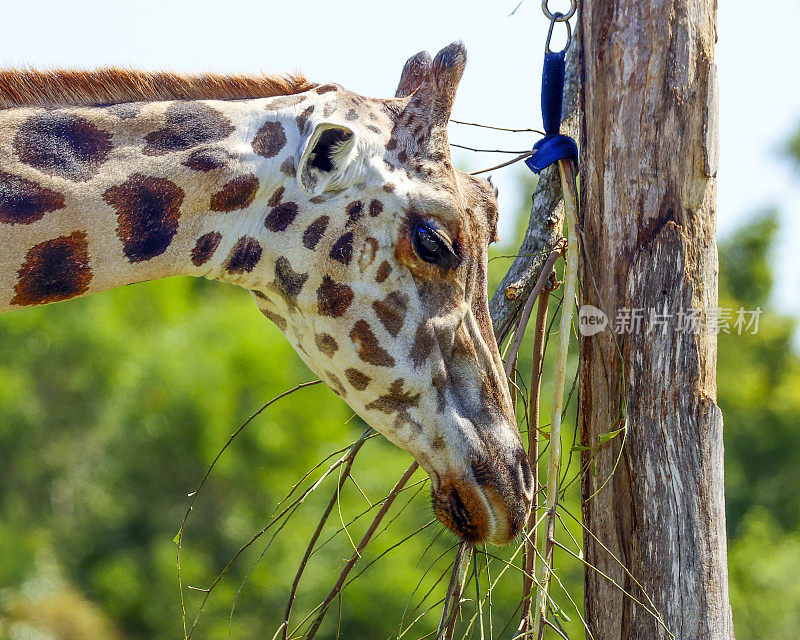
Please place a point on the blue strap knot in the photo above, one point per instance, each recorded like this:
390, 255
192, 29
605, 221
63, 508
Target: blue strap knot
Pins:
554, 146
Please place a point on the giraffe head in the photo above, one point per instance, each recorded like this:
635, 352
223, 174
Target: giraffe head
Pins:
343, 214
385, 293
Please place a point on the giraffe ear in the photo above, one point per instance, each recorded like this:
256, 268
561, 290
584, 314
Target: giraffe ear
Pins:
416, 72
325, 159
446, 69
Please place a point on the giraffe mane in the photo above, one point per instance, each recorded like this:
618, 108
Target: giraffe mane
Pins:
114, 85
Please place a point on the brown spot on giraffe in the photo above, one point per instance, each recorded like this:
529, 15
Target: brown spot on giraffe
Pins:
375, 208
237, 193
313, 234
205, 247
276, 197
62, 144
329, 109
280, 217
384, 270
287, 281
278, 320
395, 400
335, 384
283, 102
303, 119
404, 418
282, 214
207, 159
288, 168
333, 298
424, 341
148, 209
187, 124
244, 255
391, 311
367, 346
357, 379
269, 139
54, 270
326, 344
23, 201
342, 250
355, 211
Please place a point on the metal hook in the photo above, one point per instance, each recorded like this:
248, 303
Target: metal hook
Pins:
557, 17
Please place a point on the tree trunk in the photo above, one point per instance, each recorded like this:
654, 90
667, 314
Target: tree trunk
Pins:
653, 498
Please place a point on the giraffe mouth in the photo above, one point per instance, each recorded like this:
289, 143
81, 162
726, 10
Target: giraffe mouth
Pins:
464, 511
479, 512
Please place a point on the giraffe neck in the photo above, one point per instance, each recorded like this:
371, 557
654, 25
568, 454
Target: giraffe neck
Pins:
96, 198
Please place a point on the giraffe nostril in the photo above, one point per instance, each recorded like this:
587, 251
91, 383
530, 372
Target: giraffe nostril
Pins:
523, 473
483, 472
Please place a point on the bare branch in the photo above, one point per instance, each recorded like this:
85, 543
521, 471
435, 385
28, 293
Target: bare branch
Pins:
361, 545
546, 220
200, 486
452, 602
310, 548
488, 126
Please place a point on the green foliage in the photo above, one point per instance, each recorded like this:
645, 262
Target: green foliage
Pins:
793, 147
764, 565
112, 408
745, 271
759, 386
759, 393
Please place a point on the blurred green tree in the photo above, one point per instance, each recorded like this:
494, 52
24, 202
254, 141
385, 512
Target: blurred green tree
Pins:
112, 407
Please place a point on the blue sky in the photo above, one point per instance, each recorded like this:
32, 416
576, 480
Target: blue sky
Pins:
363, 46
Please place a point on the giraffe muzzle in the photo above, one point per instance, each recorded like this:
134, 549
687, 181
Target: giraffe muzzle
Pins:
488, 503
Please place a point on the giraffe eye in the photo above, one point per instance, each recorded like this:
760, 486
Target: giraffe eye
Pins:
432, 245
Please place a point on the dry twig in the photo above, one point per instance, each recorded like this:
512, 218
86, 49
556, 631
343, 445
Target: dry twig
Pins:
200, 486
361, 545
533, 458
567, 169
351, 457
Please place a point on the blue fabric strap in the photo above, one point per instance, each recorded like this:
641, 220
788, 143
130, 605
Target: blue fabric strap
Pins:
554, 146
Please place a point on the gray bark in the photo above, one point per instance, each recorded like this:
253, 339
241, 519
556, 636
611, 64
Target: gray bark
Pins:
545, 224
649, 157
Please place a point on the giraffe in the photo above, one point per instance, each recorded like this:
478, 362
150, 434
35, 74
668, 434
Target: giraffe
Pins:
343, 216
